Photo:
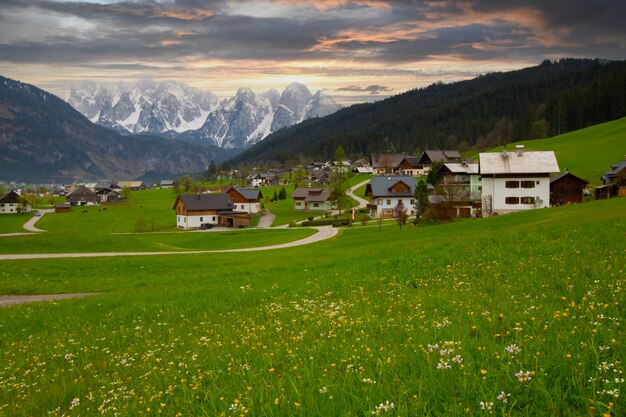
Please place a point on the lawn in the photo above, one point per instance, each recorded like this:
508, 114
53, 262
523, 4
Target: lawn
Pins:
587, 153
513, 315
14, 223
286, 213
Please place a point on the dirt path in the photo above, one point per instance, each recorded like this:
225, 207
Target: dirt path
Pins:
323, 233
265, 222
7, 300
362, 203
30, 225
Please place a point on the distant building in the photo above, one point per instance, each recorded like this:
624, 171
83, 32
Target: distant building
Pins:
62, 208
12, 203
166, 183
514, 181
262, 179
82, 196
314, 199
386, 163
108, 195
133, 185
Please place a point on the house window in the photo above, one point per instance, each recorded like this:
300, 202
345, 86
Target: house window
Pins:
412, 201
214, 218
388, 202
178, 219
537, 182
316, 204
512, 184
511, 200
380, 201
528, 200
528, 184
200, 219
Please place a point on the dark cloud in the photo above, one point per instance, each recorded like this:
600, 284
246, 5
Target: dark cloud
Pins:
371, 89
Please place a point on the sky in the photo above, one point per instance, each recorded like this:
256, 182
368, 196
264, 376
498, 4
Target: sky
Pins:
355, 50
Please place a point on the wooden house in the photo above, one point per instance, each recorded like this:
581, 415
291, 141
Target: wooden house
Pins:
108, 195
386, 163
194, 210
82, 196
246, 200
566, 188
62, 208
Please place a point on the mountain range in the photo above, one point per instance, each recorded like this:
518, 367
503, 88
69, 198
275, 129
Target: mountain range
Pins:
490, 110
43, 137
177, 111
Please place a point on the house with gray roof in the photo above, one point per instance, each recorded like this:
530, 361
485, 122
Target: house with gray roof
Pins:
247, 200
386, 192
12, 203
82, 196
314, 199
514, 181
194, 210
386, 163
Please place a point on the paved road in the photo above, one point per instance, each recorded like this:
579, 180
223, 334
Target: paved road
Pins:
265, 222
323, 233
30, 225
362, 203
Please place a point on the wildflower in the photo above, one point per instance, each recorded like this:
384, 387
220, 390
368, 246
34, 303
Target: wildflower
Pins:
483, 372
513, 349
368, 381
443, 365
433, 347
504, 397
383, 408
75, 403
323, 390
487, 406
524, 376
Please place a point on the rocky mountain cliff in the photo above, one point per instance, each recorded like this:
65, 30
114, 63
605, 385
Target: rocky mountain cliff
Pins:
42, 137
177, 111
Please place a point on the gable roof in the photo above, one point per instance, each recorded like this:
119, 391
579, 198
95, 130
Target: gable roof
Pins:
615, 169
386, 160
439, 156
81, 191
518, 163
413, 161
247, 193
196, 202
461, 168
380, 186
565, 174
311, 194
10, 198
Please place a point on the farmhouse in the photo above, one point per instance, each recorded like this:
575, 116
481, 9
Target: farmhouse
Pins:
444, 156
108, 195
12, 202
315, 199
614, 182
82, 196
566, 188
262, 179
516, 181
387, 192
386, 163
462, 180
194, 210
246, 200
133, 185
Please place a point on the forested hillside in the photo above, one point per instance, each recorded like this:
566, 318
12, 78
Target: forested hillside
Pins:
491, 110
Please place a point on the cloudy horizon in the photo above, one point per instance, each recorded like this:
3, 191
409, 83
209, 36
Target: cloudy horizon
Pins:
358, 50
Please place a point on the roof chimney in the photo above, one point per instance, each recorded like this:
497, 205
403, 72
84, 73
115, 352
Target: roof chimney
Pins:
519, 150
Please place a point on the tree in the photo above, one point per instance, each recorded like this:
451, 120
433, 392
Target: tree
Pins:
539, 129
275, 198
183, 184
421, 198
340, 154
211, 174
434, 173
282, 194
298, 175
125, 193
400, 214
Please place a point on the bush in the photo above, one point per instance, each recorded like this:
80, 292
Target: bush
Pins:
294, 224
327, 222
311, 218
342, 222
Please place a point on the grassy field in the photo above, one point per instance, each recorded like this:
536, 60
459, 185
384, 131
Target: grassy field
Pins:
14, 223
587, 153
513, 315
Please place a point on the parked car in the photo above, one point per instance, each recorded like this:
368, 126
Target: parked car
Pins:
206, 226
37, 214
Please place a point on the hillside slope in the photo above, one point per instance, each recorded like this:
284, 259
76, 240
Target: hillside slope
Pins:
587, 153
41, 136
541, 101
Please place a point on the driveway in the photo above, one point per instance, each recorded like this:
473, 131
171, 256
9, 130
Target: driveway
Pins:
265, 222
30, 225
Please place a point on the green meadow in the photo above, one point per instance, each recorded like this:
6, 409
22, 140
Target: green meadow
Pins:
587, 153
516, 315
14, 223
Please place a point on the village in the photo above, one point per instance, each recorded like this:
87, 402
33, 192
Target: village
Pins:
451, 187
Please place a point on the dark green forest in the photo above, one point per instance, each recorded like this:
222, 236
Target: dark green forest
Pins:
493, 109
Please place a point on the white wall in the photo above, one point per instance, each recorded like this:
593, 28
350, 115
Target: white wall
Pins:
408, 202
496, 187
9, 208
247, 207
194, 222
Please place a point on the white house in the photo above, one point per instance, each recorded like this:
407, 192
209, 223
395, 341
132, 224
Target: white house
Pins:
514, 181
388, 191
194, 210
11, 203
315, 199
